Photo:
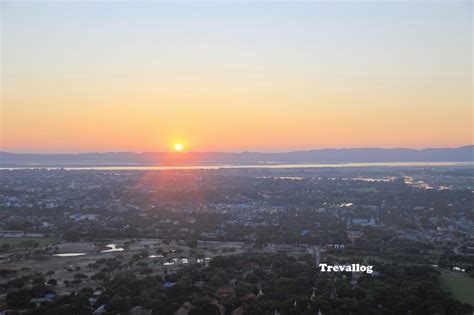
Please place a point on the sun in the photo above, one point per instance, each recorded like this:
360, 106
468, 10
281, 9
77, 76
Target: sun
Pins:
178, 147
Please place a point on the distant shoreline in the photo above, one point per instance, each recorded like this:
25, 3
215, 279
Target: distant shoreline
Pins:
211, 159
210, 166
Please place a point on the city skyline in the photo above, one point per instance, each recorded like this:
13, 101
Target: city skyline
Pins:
232, 77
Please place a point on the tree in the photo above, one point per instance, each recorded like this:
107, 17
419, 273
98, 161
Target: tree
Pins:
16, 283
155, 305
118, 305
243, 288
52, 282
192, 243
19, 299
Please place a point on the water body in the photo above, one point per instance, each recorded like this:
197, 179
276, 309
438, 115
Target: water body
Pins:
112, 248
156, 256
235, 166
69, 254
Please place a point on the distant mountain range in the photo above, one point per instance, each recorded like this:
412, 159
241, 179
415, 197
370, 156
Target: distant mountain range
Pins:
356, 155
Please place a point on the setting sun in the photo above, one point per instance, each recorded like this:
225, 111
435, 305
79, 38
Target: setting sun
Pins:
178, 147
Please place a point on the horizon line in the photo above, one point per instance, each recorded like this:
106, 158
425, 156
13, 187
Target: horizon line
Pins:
232, 152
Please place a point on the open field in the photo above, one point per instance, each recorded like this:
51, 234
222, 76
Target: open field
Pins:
28, 241
65, 267
366, 256
459, 284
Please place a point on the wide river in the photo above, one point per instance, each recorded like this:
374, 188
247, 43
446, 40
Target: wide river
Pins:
232, 166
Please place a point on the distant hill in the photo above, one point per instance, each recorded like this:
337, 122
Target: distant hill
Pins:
361, 155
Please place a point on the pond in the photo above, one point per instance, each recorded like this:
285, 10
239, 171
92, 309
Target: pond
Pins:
112, 248
69, 254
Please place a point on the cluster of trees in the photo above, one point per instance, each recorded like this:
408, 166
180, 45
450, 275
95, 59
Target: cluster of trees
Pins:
450, 259
255, 284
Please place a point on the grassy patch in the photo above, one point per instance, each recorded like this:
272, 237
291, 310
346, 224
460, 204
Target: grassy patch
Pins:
28, 242
460, 285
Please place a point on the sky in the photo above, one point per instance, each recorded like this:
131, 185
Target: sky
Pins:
234, 76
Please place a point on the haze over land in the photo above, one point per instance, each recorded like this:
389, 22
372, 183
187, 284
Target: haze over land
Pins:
462, 154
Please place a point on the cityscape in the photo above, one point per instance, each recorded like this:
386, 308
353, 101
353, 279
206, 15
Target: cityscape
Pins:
237, 241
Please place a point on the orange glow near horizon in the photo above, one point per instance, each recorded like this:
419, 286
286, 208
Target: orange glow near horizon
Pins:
146, 76
322, 119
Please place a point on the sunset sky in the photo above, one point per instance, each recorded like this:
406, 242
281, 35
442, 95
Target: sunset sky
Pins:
256, 76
